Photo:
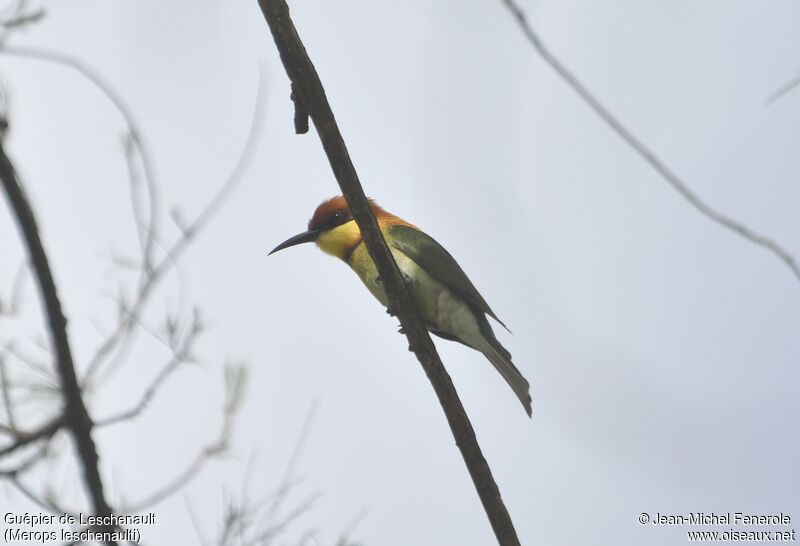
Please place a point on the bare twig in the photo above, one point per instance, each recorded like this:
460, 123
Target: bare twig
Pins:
235, 379
23, 20
242, 517
146, 221
181, 346
294, 458
6, 392
33, 363
20, 17
648, 155
44, 502
39, 455
75, 414
134, 133
135, 140
274, 530
23, 439
240, 525
151, 271
15, 297
782, 90
344, 538
309, 90
180, 355
130, 316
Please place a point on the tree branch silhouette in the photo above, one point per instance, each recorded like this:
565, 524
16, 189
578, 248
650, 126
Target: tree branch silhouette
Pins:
310, 99
75, 415
648, 155
150, 272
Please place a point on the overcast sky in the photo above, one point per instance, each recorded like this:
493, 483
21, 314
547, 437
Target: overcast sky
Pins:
662, 349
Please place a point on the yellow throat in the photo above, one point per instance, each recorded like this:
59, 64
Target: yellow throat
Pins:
341, 240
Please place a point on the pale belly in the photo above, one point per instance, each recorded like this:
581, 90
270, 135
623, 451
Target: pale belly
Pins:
439, 307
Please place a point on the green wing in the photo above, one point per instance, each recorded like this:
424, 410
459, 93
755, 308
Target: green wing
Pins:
433, 258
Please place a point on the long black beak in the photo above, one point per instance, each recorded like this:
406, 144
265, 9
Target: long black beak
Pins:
306, 237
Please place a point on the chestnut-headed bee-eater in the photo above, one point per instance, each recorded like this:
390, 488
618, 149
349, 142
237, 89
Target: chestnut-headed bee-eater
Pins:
447, 301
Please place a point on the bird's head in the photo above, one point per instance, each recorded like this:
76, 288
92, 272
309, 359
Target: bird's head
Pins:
332, 227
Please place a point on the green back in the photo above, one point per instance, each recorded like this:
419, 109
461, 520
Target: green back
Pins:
438, 263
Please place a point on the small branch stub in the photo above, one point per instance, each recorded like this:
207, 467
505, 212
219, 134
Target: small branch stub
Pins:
300, 113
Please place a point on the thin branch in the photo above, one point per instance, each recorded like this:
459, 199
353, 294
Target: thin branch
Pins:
242, 516
45, 432
194, 519
344, 537
275, 530
36, 365
26, 464
147, 395
146, 230
308, 89
200, 222
240, 522
297, 451
17, 288
135, 140
75, 413
20, 17
309, 538
5, 388
23, 20
45, 503
122, 107
648, 155
782, 90
235, 379
180, 355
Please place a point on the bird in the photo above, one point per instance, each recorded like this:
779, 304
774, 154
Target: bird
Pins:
447, 301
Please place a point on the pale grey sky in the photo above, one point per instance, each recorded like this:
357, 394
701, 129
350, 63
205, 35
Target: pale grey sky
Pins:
663, 350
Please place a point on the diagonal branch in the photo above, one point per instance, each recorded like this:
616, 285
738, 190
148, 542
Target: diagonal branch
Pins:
782, 90
235, 380
21, 16
288, 473
75, 413
308, 90
181, 353
23, 439
648, 155
26, 464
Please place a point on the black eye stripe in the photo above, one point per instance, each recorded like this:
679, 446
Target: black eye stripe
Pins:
338, 218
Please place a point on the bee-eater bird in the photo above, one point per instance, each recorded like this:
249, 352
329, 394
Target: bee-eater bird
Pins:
446, 300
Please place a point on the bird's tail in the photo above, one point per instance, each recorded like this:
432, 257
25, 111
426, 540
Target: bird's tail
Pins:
501, 359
